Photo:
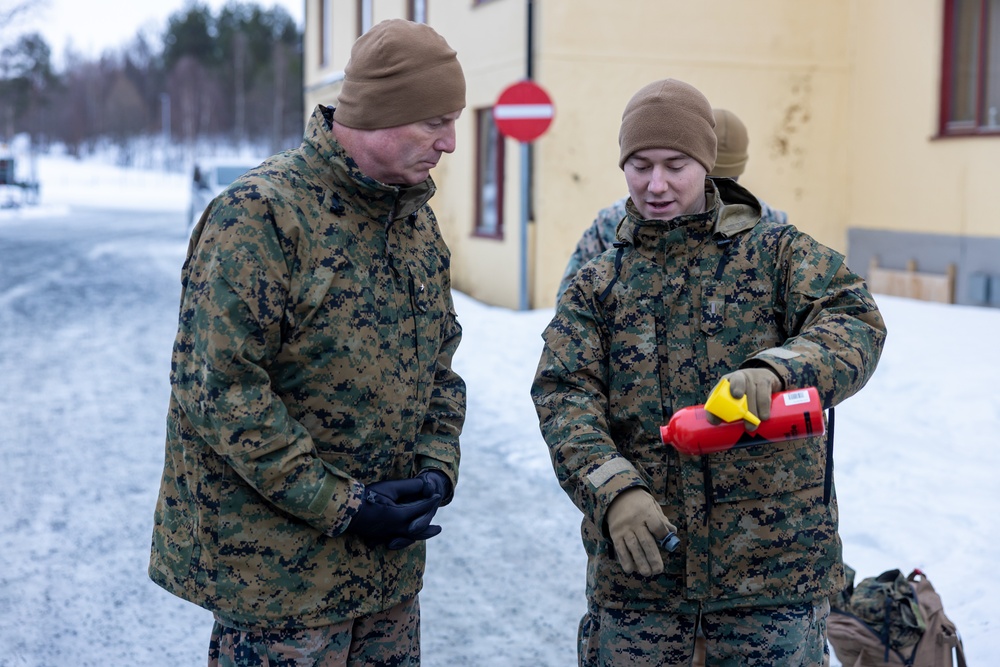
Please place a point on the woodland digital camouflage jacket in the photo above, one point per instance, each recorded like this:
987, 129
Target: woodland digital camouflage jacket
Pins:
313, 355
695, 298
601, 235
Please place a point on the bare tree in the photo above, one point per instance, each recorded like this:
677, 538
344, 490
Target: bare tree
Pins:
12, 12
280, 58
235, 76
183, 83
125, 115
240, 87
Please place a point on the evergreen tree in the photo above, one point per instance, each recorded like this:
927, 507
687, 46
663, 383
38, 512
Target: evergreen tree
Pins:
236, 76
25, 79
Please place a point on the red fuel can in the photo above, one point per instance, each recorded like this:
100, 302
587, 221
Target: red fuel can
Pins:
796, 413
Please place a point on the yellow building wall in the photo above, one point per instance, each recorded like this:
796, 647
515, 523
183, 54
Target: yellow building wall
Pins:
343, 33
767, 61
902, 176
490, 41
840, 98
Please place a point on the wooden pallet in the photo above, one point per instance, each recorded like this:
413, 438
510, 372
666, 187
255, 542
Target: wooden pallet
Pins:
910, 283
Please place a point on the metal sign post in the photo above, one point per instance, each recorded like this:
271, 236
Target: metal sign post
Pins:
524, 112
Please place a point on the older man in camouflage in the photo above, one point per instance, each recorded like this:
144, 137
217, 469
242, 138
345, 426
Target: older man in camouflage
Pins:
701, 289
731, 159
314, 417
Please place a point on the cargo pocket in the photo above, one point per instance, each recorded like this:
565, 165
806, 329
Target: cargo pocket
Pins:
771, 531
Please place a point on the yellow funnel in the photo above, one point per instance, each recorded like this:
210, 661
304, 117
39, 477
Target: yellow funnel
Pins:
722, 404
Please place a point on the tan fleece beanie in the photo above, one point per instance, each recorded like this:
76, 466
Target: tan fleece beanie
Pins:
733, 141
669, 114
399, 72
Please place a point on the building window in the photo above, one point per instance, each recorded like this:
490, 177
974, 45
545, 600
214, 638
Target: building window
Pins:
970, 95
364, 16
489, 176
416, 10
325, 33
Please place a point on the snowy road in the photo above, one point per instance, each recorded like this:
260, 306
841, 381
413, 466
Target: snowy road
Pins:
88, 306
88, 309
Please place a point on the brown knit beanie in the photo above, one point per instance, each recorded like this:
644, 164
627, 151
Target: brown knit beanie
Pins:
669, 114
399, 72
733, 142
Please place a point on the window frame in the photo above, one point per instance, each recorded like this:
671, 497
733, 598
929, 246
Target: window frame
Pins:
325, 11
416, 10
947, 126
366, 15
499, 146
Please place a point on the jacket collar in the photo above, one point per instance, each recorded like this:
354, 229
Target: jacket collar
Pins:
740, 208
729, 209
340, 174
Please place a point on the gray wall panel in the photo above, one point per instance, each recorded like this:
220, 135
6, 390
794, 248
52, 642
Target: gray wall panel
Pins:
972, 256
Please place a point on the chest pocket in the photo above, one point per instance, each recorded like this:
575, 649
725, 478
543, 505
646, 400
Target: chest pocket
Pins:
714, 294
716, 308
314, 294
429, 309
713, 307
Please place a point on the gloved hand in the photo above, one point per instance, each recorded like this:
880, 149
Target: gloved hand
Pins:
397, 512
757, 384
435, 481
636, 525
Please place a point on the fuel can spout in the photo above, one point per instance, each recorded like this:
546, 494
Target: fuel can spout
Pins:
796, 413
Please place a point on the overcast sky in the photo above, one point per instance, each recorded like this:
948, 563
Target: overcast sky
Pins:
93, 26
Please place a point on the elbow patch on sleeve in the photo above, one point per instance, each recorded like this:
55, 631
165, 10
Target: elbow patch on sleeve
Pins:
323, 496
599, 476
779, 353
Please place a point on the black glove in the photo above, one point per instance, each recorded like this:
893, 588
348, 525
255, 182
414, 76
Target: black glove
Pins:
397, 512
435, 482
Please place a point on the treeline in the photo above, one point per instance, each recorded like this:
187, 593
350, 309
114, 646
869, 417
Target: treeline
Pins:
232, 77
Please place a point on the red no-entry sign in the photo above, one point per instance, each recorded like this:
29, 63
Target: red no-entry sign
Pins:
523, 111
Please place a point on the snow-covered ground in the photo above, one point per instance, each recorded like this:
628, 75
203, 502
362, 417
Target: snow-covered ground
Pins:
88, 304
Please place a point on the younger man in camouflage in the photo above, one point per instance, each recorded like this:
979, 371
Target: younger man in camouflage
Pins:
314, 419
731, 160
703, 290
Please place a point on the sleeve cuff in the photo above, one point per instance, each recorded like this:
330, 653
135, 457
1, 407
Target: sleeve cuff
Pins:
609, 480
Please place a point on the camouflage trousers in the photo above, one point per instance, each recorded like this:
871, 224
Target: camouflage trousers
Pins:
793, 636
390, 638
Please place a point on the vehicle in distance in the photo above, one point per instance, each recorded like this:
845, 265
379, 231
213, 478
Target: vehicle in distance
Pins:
211, 176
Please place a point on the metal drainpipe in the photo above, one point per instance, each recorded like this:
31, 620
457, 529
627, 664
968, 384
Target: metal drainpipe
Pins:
527, 160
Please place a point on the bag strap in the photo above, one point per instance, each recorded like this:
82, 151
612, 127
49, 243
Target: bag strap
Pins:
960, 653
728, 246
828, 473
886, 622
944, 643
618, 268
921, 585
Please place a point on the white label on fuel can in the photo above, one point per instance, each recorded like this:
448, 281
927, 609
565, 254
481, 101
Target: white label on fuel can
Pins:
797, 397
